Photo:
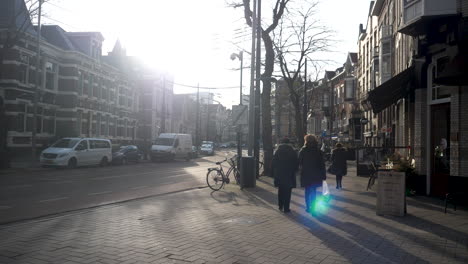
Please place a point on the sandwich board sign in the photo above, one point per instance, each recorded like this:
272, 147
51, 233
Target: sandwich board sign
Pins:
391, 199
239, 115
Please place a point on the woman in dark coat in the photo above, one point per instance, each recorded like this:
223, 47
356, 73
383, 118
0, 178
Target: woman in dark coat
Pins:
284, 166
312, 170
340, 168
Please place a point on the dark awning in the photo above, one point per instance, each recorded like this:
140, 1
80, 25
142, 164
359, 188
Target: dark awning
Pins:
391, 91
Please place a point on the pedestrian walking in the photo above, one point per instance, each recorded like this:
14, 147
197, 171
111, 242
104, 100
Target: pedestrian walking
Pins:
312, 168
284, 167
339, 166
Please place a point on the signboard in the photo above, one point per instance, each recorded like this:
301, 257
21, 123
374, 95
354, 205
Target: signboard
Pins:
391, 193
239, 115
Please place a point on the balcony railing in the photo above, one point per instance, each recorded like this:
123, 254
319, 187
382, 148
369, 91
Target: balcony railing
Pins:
416, 13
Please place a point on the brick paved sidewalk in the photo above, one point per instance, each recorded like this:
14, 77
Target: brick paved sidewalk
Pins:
233, 226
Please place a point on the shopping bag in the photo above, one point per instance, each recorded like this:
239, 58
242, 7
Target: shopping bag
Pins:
325, 191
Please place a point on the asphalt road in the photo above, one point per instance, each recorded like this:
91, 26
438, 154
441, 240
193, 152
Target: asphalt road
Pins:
29, 194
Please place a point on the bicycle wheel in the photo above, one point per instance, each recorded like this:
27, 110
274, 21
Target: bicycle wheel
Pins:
214, 179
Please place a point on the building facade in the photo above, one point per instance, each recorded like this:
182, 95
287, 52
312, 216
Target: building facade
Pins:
81, 93
413, 90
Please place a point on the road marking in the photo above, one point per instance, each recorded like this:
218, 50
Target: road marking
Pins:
19, 186
4, 207
53, 199
98, 193
110, 177
139, 187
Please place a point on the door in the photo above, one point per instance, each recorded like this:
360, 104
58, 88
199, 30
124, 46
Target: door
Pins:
440, 149
82, 153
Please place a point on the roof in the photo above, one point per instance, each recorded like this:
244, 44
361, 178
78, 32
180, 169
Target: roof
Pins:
354, 57
56, 36
15, 15
330, 74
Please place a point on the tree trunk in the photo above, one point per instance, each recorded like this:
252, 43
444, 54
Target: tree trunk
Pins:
266, 104
298, 120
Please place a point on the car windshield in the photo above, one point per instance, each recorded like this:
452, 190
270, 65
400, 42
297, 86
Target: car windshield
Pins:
65, 143
206, 146
164, 141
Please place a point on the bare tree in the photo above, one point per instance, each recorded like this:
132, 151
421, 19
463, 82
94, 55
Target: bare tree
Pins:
269, 64
12, 30
18, 23
298, 38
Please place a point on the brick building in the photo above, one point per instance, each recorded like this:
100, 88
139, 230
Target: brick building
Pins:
81, 93
412, 79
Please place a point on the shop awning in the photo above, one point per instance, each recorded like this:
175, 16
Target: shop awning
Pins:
392, 90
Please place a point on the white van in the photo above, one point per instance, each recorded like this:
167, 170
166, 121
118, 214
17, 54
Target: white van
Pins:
73, 152
172, 146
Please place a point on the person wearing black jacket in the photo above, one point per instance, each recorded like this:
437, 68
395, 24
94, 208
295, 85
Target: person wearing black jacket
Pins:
340, 168
284, 166
312, 170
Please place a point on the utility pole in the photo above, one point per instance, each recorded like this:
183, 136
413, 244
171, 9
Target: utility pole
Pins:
163, 118
252, 83
38, 86
304, 107
257, 89
208, 121
197, 125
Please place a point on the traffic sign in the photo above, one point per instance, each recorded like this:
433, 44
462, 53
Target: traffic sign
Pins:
239, 115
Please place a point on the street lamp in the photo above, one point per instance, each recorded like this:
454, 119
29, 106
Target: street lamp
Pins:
240, 56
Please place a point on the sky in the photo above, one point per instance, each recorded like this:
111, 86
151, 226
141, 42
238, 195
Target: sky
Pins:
194, 39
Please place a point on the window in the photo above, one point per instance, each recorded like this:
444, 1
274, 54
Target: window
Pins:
98, 124
65, 143
23, 71
49, 125
96, 144
79, 122
439, 91
83, 145
51, 74
80, 83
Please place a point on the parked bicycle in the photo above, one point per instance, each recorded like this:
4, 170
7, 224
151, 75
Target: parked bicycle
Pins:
216, 177
373, 175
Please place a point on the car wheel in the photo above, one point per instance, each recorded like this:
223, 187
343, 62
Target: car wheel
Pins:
71, 163
188, 157
103, 162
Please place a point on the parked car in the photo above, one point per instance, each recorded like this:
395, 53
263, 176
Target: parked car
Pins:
194, 152
73, 152
127, 154
171, 146
207, 149
225, 145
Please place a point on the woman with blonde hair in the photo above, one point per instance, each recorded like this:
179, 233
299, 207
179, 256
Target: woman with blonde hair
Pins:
312, 170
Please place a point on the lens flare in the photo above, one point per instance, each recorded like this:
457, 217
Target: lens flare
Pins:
320, 205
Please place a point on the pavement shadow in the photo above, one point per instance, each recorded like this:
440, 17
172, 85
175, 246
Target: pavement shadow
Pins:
410, 220
414, 222
383, 249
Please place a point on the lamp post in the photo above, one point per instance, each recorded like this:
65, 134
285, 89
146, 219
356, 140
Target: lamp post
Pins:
240, 56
